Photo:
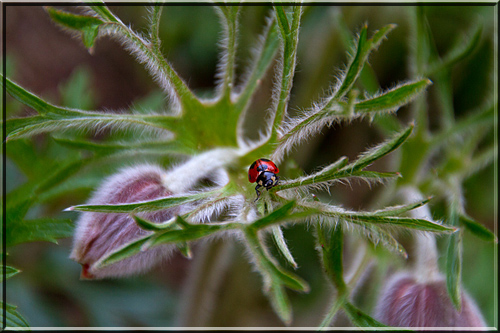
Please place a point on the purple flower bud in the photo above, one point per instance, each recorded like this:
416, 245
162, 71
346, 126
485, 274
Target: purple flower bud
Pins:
98, 234
408, 303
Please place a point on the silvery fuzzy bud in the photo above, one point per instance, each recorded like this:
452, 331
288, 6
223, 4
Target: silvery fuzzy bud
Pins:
98, 234
405, 302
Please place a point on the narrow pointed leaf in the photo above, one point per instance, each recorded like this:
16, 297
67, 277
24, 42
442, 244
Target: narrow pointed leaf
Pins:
9, 272
393, 99
280, 303
276, 215
359, 318
477, 229
281, 244
379, 236
473, 122
363, 50
398, 210
332, 249
152, 226
151, 205
454, 269
125, 251
324, 174
378, 152
461, 51
263, 61
13, 319
87, 25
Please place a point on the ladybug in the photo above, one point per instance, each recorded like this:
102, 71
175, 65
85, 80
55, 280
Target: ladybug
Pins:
264, 172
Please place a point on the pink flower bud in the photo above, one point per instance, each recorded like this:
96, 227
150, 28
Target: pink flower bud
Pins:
408, 303
98, 234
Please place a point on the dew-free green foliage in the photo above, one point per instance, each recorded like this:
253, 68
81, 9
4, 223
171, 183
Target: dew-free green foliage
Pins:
209, 133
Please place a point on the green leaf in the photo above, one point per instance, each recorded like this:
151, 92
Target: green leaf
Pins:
323, 175
290, 37
263, 61
280, 303
41, 229
52, 118
87, 25
377, 235
276, 215
454, 269
280, 241
477, 228
275, 277
475, 121
411, 223
13, 319
9, 272
458, 53
332, 249
359, 318
123, 252
357, 63
150, 205
394, 98
398, 210
377, 152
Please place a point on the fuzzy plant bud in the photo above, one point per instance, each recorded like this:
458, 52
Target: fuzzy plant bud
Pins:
405, 302
98, 234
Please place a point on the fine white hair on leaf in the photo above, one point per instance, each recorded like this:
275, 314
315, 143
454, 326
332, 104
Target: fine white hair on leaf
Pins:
255, 52
223, 44
184, 176
245, 77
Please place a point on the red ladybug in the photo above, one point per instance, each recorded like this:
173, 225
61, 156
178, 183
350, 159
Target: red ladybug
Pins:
264, 172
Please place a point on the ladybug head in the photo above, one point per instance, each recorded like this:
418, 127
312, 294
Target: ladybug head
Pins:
268, 179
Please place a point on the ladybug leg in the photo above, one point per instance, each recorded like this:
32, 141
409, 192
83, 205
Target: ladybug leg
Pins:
258, 193
277, 180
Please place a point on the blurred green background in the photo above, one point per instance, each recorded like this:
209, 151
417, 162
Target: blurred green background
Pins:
49, 62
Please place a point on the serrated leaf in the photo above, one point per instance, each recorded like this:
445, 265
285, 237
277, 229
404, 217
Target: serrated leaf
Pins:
41, 229
477, 228
13, 318
9, 272
87, 25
